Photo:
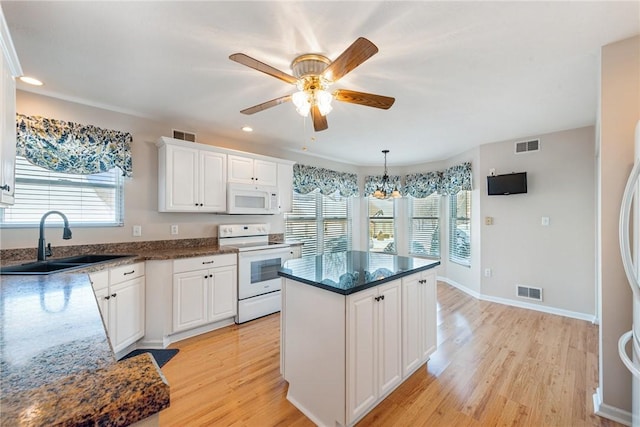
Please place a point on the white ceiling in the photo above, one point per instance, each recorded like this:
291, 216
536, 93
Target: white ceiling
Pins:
462, 73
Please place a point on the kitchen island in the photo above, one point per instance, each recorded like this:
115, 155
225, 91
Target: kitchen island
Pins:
354, 326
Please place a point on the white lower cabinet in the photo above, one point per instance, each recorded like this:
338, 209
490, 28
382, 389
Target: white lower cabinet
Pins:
204, 290
419, 320
120, 292
374, 366
343, 354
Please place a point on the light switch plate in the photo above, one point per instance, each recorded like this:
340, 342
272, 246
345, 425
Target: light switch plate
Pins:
137, 230
545, 220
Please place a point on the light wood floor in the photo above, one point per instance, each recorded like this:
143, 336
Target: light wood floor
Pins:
495, 365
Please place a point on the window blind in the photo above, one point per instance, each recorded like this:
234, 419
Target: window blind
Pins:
90, 200
322, 223
424, 229
460, 227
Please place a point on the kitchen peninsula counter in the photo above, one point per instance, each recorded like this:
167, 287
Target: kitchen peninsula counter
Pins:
57, 365
354, 326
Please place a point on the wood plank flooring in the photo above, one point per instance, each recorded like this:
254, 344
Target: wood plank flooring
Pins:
495, 365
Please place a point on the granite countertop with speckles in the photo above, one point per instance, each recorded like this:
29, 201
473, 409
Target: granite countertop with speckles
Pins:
57, 365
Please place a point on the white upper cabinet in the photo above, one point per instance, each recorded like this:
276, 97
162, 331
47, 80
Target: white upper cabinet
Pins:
9, 70
193, 177
190, 178
247, 170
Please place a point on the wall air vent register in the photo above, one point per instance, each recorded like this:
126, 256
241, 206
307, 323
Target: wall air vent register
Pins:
527, 146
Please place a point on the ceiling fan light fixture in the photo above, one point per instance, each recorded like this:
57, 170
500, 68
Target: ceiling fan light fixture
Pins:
323, 101
301, 101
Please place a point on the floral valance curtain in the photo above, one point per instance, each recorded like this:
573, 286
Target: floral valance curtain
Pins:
420, 185
309, 178
72, 147
456, 178
371, 183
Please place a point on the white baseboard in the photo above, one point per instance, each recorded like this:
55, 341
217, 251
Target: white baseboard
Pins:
520, 304
610, 412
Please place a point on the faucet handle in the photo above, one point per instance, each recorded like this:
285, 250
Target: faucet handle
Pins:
49, 252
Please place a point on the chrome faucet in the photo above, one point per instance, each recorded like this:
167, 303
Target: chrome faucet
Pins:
43, 252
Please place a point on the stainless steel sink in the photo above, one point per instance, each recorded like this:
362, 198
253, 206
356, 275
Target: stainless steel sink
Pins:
59, 265
91, 258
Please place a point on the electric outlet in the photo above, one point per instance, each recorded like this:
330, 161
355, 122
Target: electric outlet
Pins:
174, 229
137, 230
487, 272
545, 221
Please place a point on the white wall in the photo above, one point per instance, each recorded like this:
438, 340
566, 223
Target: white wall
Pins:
560, 257
619, 112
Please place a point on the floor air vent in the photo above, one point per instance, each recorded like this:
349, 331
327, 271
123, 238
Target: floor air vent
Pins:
185, 136
527, 146
529, 292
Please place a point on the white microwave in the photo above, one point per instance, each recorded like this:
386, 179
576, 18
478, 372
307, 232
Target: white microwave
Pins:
251, 199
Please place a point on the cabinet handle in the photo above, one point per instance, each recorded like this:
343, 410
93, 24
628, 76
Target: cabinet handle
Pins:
206, 277
114, 295
382, 297
107, 297
6, 187
130, 272
208, 262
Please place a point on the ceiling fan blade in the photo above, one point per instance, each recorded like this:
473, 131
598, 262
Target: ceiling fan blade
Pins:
319, 121
243, 59
361, 50
265, 105
367, 99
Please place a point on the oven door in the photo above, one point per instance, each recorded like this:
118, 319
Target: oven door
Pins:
258, 271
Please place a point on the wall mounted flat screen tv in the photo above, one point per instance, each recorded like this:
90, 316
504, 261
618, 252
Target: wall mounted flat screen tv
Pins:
503, 185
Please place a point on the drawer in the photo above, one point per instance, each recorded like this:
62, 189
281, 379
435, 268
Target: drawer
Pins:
204, 262
126, 272
99, 279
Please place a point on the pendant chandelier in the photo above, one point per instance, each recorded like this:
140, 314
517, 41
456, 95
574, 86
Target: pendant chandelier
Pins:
384, 190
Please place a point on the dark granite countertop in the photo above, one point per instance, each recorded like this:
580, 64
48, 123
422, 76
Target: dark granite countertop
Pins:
57, 365
352, 271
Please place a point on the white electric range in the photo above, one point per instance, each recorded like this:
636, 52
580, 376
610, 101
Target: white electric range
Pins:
258, 264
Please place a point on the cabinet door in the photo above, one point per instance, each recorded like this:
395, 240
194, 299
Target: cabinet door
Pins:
126, 313
430, 315
240, 169
7, 133
222, 293
285, 186
389, 337
212, 185
102, 298
362, 356
411, 323
265, 172
189, 299
181, 179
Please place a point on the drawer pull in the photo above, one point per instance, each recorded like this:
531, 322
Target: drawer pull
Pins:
114, 295
130, 272
107, 297
208, 262
6, 187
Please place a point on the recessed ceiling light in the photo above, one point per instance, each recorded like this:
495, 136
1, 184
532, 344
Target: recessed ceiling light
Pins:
31, 81
247, 128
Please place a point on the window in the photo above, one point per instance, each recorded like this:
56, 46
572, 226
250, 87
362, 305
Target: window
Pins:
87, 200
460, 227
322, 223
424, 230
382, 225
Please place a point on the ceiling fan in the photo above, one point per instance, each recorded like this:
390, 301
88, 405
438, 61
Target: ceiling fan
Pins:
312, 75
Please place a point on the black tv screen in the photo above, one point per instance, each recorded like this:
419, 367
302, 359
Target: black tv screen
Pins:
503, 185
